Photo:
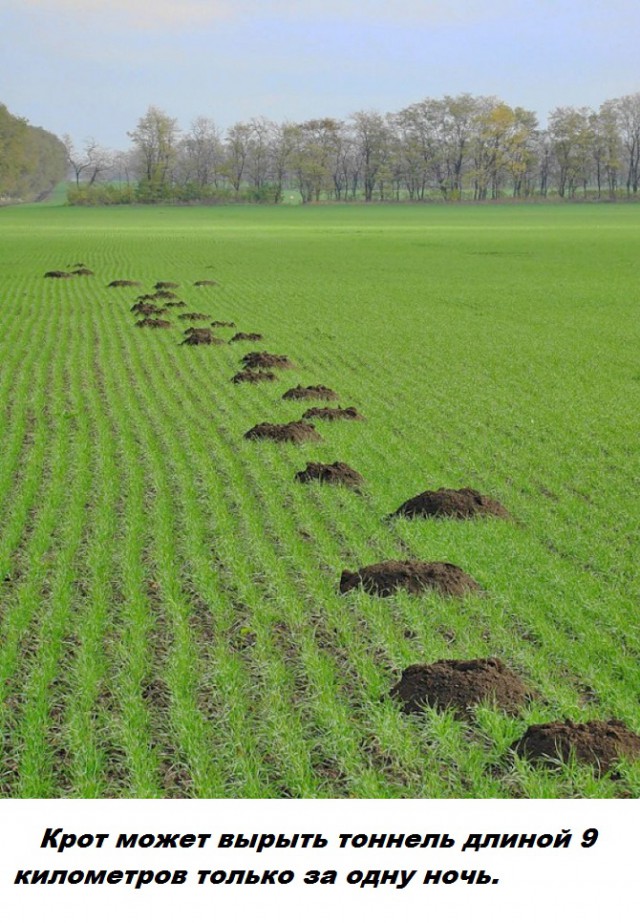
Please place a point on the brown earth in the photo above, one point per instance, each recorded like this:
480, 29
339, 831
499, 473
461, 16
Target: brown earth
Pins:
600, 743
245, 336
310, 393
459, 504
206, 282
193, 316
254, 377
266, 361
413, 576
143, 304
122, 283
332, 413
296, 431
460, 684
336, 473
57, 274
222, 323
148, 309
152, 322
177, 304
166, 285
83, 271
200, 336
163, 294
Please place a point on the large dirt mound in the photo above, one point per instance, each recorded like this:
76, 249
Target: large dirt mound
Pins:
310, 393
458, 504
122, 283
254, 337
284, 432
600, 743
336, 473
152, 322
193, 316
332, 413
413, 576
460, 684
201, 336
266, 361
57, 274
253, 376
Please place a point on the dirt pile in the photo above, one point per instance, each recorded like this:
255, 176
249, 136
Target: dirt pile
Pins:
148, 309
415, 577
254, 377
336, 473
206, 282
165, 285
266, 361
600, 743
460, 684
57, 274
176, 304
193, 316
122, 283
245, 336
200, 336
164, 294
332, 413
153, 322
296, 431
310, 393
458, 504
83, 271
222, 323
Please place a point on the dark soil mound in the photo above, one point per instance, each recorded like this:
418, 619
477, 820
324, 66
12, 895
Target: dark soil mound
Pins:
222, 323
284, 432
176, 304
310, 393
161, 285
266, 361
152, 322
122, 283
57, 274
148, 309
337, 473
206, 282
163, 294
245, 336
600, 743
83, 271
459, 504
254, 377
193, 316
143, 304
413, 576
332, 413
460, 684
200, 336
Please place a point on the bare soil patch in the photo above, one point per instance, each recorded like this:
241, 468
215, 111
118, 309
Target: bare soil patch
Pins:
164, 294
122, 283
310, 393
600, 743
266, 361
254, 337
415, 577
153, 322
193, 316
206, 282
464, 503
460, 684
296, 431
57, 274
165, 285
147, 310
177, 304
253, 377
200, 336
83, 271
335, 473
332, 413
222, 323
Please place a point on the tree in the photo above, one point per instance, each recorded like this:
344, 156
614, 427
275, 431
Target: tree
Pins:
155, 140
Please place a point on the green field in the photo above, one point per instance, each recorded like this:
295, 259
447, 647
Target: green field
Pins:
170, 622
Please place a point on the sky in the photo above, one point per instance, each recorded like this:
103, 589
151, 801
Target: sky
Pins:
91, 68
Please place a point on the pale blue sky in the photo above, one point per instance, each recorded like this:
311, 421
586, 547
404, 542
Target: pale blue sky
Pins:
92, 67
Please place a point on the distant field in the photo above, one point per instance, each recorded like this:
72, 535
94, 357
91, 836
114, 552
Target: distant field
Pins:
170, 621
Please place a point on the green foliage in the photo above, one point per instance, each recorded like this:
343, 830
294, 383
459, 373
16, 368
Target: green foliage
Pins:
169, 617
32, 160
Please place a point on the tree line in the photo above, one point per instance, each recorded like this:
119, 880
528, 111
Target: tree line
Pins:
446, 149
32, 160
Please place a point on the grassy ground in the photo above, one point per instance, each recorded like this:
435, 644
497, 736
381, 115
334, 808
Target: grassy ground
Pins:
169, 617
